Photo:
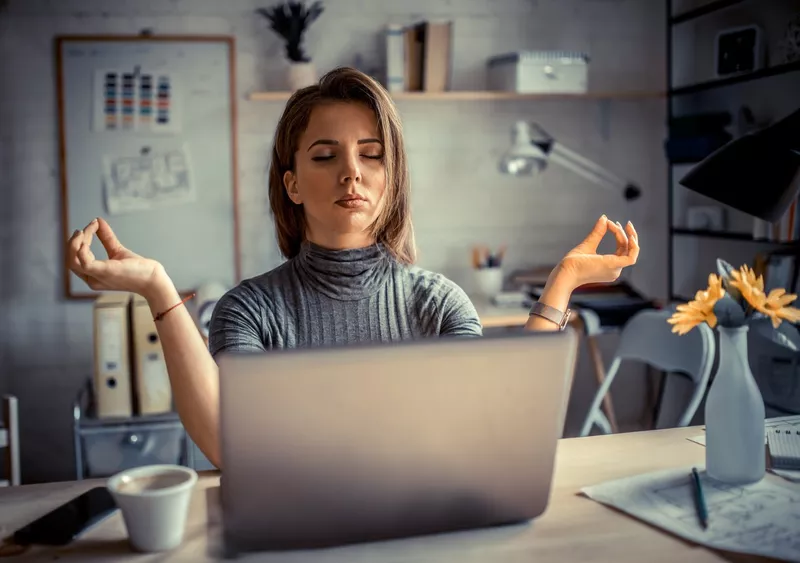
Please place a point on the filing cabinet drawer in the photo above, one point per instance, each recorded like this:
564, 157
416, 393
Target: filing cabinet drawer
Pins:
109, 449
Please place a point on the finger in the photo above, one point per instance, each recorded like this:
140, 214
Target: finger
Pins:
592, 241
89, 264
632, 234
622, 238
633, 245
89, 231
73, 245
84, 277
107, 237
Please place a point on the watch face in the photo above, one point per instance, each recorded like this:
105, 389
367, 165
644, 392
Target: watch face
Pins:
737, 51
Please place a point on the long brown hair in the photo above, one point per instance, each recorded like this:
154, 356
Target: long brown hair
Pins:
393, 226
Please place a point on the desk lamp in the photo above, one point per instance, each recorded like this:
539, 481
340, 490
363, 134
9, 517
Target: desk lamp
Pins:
528, 156
757, 173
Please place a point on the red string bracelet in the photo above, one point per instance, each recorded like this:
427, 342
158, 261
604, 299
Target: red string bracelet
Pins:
161, 315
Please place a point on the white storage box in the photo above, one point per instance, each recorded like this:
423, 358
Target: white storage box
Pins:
539, 72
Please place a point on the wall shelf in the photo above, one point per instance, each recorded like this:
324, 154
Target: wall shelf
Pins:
746, 237
453, 96
738, 79
719, 235
703, 10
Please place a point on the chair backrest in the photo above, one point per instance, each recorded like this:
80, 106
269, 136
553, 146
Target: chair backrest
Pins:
9, 441
648, 337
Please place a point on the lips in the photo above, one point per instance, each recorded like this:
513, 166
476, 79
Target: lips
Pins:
352, 201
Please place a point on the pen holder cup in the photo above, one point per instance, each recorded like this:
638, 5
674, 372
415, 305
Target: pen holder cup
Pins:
488, 281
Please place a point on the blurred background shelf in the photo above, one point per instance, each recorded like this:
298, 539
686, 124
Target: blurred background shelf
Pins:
276, 96
738, 79
725, 235
703, 10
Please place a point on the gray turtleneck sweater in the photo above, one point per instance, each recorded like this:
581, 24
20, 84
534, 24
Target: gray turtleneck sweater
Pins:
323, 297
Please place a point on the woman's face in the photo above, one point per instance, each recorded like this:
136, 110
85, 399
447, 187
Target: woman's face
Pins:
339, 175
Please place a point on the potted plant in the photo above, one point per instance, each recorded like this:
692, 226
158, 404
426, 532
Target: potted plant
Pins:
735, 302
291, 20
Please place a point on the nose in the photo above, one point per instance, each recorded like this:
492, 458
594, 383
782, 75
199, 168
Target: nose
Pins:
351, 172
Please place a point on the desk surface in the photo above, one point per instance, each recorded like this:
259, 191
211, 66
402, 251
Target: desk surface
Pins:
573, 528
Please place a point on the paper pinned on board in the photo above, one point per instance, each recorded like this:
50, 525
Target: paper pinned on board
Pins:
791, 422
759, 519
137, 100
147, 181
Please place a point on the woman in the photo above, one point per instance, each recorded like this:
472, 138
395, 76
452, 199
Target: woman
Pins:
339, 193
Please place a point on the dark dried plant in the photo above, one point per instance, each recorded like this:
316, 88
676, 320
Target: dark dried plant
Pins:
291, 20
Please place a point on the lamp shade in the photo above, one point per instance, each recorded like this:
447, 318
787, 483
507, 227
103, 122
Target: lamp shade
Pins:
524, 157
757, 173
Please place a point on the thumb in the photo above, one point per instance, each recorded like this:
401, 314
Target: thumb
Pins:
592, 241
107, 237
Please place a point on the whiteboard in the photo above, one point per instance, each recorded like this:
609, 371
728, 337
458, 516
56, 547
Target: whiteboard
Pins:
148, 142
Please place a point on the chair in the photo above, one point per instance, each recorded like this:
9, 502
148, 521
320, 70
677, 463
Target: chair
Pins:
648, 338
9, 440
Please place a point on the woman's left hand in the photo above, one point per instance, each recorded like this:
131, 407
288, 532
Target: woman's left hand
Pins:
583, 265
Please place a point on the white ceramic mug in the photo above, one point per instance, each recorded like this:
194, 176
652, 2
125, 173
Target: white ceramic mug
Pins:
489, 281
154, 500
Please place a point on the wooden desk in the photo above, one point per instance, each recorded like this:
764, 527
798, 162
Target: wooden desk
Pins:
492, 316
573, 528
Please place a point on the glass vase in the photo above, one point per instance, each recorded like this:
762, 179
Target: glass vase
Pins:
734, 415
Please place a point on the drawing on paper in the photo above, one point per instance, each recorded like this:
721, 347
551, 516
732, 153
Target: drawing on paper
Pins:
136, 100
762, 518
147, 181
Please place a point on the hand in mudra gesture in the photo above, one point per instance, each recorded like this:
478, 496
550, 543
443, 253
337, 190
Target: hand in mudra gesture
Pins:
124, 270
585, 265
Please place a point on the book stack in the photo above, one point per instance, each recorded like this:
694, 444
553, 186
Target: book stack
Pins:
418, 57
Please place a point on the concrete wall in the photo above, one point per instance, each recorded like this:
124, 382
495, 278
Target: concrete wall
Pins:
459, 198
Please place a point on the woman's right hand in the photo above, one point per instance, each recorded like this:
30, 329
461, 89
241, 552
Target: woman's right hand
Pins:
123, 271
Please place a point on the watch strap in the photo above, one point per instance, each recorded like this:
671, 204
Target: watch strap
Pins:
551, 314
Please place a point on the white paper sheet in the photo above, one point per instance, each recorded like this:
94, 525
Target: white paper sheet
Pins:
788, 422
760, 519
148, 181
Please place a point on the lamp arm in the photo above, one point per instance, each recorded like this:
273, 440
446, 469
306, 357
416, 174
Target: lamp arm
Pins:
592, 171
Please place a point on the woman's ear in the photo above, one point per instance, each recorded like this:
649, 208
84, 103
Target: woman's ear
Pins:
290, 183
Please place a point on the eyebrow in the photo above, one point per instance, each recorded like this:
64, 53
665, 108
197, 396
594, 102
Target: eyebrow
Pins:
334, 142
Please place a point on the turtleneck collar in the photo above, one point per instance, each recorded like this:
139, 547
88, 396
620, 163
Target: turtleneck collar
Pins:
346, 275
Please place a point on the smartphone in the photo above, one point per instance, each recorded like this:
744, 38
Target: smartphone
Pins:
63, 524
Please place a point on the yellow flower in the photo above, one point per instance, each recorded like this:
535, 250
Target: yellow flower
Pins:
774, 305
699, 310
746, 281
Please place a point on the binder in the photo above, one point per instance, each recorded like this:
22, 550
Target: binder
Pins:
436, 65
112, 374
151, 382
428, 54
784, 447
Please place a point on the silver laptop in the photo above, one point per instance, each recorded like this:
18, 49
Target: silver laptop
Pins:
333, 446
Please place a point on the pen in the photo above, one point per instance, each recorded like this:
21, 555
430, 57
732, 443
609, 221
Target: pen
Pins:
700, 501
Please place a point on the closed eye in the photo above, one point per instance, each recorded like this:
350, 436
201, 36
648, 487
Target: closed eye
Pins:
329, 157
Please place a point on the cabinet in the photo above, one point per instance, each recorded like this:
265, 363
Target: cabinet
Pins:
106, 446
767, 93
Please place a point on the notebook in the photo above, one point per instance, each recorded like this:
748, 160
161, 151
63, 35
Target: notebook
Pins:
784, 447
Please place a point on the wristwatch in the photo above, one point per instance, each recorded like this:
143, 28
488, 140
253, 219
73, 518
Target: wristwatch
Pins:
551, 314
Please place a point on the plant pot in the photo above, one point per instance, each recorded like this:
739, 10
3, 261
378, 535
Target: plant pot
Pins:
734, 413
301, 74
